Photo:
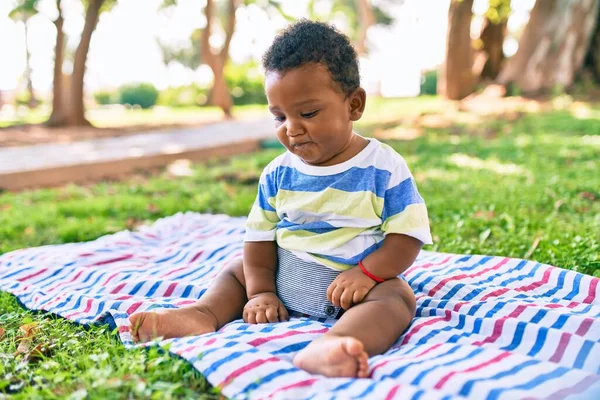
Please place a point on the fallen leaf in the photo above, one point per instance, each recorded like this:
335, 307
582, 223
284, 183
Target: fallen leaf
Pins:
588, 196
24, 346
152, 208
29, 231
5, 207
2, 333
485, 215
40, 351
28, 330
132, 223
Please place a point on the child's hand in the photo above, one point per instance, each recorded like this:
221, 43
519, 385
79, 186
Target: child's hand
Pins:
263, 308
349, 288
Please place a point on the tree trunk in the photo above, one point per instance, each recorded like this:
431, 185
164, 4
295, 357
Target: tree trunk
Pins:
58, 115
591, 62
553, 45
457, 78
219, 94
366, 18
32, 102
489, 59
76, 114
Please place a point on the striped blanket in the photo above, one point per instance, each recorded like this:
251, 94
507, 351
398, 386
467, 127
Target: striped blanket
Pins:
486, 327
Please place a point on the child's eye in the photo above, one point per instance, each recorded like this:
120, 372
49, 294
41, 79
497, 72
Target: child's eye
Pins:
279, 119
310, 114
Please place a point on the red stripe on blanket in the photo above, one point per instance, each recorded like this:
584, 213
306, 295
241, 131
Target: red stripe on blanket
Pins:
499, 325
305, 383
392, 392
592, 291
584, 327
416, 328
196, 256
245, 368
463, 276
32, 275
170, 289
383, 364
122, 258
447, 377
414, 268
77, 275
263, 340
562, 346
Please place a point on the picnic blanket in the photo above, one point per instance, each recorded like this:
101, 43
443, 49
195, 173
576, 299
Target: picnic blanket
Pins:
486, 327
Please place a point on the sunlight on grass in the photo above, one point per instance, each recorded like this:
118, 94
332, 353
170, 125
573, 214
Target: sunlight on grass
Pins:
463, 160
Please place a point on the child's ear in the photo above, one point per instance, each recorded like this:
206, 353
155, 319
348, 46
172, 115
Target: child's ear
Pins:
357, 101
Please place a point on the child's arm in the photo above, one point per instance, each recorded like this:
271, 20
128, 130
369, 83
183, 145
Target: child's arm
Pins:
260, 263
397, 253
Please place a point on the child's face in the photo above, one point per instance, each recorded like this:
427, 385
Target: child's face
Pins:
313, 117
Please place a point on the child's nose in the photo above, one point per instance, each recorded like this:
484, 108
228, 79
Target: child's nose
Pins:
294, 128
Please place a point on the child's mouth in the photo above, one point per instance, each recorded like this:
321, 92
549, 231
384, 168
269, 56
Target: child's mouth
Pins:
301, 146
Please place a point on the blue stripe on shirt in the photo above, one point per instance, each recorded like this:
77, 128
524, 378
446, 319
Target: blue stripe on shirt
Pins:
354, 259
399, 197
355, 179
314, 227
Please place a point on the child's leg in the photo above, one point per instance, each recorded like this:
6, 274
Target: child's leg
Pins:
367, 329
223, 302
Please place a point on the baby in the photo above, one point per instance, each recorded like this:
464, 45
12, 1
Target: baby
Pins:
336, 220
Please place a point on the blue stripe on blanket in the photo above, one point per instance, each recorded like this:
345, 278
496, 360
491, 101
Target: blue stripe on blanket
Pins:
486, 327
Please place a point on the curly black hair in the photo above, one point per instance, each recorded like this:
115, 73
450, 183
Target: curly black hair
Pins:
309, 41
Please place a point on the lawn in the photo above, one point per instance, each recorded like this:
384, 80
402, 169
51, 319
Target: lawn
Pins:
527, 188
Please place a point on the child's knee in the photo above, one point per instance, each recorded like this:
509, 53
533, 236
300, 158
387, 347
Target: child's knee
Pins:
394, 291
236, 269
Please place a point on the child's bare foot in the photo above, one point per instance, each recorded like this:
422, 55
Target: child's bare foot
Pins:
171, 323
334, 356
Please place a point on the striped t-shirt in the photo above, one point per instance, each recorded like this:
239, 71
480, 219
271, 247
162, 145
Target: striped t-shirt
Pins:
337, 215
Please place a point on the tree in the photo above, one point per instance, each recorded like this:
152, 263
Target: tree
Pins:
217, 59
23, 10
76, 110
360, 14
489, 55
201, 52
456, 76
58, 115
553, 45
592, 58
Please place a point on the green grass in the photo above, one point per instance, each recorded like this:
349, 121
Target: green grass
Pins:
527, 188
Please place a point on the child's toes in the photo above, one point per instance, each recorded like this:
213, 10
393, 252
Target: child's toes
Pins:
363, 366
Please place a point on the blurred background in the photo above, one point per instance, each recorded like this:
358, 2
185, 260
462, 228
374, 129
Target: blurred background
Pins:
71, 62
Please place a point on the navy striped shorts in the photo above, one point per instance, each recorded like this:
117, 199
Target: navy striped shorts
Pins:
302, 286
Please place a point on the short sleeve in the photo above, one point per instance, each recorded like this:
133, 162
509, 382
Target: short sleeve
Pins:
404, 211
262, 221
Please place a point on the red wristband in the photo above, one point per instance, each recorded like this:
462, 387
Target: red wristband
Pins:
370, 275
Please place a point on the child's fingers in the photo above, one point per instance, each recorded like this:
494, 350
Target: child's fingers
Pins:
330, 290
346, 299
359, 296
336, 295
261, 317
271, 314
250, 317
283, 313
